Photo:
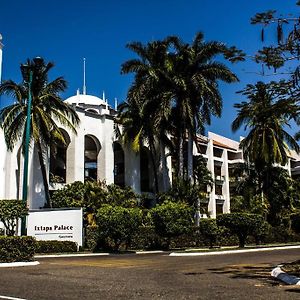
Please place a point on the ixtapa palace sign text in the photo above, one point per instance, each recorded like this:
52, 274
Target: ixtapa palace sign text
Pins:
56, 224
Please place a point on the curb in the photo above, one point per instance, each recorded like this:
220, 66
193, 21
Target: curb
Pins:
70, 255
19, 264
285, 277
233, 251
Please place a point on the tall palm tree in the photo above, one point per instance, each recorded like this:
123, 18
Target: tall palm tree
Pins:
194, 75
266, 114
147, 105
47, 112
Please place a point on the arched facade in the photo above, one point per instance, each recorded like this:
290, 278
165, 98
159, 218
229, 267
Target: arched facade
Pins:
91, 158
119, 165
58, 159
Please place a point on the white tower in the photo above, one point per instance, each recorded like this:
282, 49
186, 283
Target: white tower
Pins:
1, 46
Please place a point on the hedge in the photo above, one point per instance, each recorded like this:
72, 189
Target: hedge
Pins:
16, 248
55, 246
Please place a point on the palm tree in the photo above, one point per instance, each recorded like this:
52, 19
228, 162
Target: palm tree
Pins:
47, 112
266, 114
194, 77
147, 105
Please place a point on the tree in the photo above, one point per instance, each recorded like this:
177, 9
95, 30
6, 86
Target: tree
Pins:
241, 224
175, 91
194, 75
10, 212
266, 114
118, 223
143, 113
48, 111
171, 219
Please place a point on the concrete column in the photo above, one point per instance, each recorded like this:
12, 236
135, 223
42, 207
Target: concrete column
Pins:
210, 165
75, 157
226, 192
132, 169
107, 152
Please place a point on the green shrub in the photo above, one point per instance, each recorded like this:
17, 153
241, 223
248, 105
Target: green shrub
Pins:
295, 220
55, 246
261, 232
118, 224
10, 212
241, 224
146, 238
16, 248
92, 238
172, 219
210, 230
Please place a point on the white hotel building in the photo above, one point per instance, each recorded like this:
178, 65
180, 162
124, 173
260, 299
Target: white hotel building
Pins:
96, 153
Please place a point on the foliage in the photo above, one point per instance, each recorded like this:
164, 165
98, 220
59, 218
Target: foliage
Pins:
55, 246
295, 222
118, 224
241, 224
210, 230
183, 190
172, 219
48, 111
288, 39
16, 248
175, 92
92, 238
266, 114
91, 196
10, 212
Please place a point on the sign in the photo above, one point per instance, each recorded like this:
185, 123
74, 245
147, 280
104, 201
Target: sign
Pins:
61, 224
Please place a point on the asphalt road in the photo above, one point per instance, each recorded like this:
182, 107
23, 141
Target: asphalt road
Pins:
231, 276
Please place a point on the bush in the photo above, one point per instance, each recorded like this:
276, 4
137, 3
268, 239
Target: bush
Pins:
10, 212
16, 248
118, 224
241, 224
172, 219
295, 220
92, 238
210, 230
55, 246
261, 232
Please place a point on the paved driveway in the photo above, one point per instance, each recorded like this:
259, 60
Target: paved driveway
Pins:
231, 276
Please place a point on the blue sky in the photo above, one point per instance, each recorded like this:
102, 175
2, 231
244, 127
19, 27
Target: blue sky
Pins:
65, 31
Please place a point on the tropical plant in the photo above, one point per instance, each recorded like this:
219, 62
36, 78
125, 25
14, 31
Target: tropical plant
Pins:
210, 231
171, 219
266, 114
175, 92
241, 224
194, 76
48, 111
147, 105
93, 195
118, 224
10, 212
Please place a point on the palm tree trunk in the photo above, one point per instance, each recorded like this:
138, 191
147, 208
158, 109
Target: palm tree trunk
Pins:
44, 174
152, 156
180, 156
190, 158
164, 168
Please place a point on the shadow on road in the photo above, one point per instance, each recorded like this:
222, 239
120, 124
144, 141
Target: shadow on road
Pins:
259, 272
